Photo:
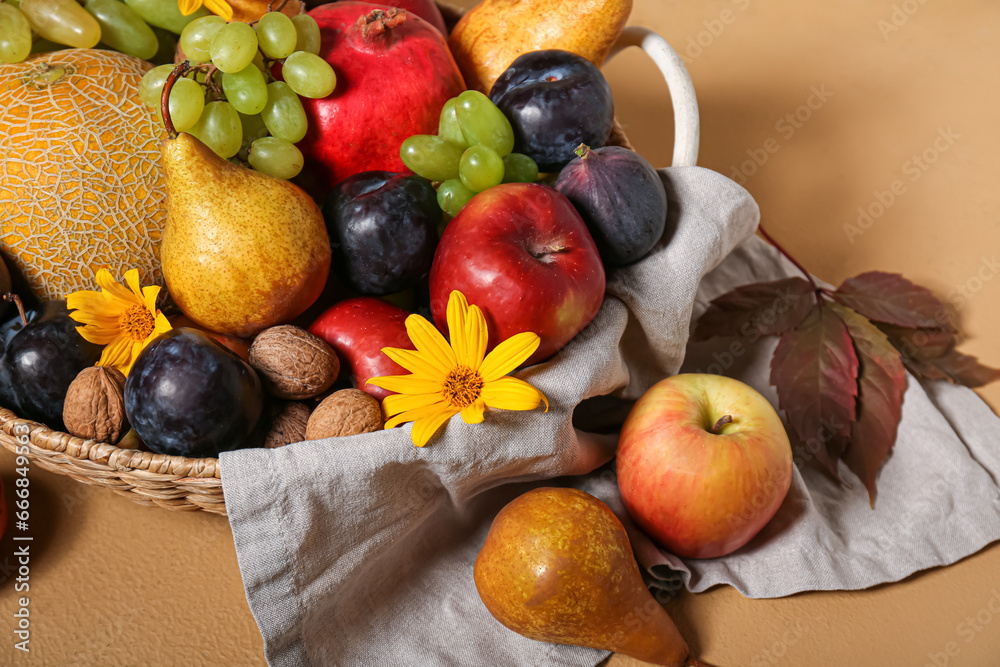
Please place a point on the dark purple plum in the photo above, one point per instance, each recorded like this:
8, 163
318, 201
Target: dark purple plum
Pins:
555, 100
187, 395
620, 197
383, 230
39, 362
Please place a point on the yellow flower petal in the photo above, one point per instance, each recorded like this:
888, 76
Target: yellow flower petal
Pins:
117, 353
112, 289
476, 337
510, 393
458, 309
395, 404
426, 427
132, 280
149, 295
97, 335
430, 342
406, 384
188, 7
88, 304
220, 8
473, 413
508, 355
416, 363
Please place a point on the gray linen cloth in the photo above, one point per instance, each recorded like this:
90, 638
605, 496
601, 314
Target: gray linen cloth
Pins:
359, 551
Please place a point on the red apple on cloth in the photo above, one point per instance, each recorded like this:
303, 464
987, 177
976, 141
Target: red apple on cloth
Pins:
522, 253
357, 330
704, 462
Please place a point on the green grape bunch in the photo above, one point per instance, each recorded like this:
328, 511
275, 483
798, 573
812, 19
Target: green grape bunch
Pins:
470, 153
226, 96
134, 27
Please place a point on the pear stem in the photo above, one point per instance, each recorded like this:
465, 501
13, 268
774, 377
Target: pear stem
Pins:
723, 420
168, 85
16, 300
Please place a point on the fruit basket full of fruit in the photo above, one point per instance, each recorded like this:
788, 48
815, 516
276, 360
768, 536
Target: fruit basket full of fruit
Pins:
300, 214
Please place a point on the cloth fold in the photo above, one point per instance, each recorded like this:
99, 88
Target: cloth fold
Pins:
359, 551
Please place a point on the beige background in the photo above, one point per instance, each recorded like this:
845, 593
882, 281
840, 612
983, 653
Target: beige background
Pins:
113, 583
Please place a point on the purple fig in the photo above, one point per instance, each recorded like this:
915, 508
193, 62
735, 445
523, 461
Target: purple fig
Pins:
621, 198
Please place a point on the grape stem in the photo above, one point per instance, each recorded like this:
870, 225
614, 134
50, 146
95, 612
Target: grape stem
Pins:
16, 300
177, 72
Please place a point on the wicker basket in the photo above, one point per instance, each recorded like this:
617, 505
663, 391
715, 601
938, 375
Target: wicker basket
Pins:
183, 484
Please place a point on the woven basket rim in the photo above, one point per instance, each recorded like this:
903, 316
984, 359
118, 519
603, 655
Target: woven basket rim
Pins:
108, 455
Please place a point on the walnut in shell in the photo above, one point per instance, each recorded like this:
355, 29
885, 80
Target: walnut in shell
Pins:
345, 412
288, 425
95, 405
293, 363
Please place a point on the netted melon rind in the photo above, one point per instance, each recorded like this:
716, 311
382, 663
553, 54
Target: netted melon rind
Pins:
80, 179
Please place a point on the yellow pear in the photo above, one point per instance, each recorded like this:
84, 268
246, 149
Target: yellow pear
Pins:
241, 251
495, 32
557, 566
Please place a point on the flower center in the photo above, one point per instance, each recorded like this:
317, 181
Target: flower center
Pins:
463, 386
137, 323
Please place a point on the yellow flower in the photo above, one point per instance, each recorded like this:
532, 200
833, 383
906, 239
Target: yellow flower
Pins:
450, 379
123, 320
218, 7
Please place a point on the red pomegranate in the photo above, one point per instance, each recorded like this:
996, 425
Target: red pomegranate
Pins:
394, 73
425, 9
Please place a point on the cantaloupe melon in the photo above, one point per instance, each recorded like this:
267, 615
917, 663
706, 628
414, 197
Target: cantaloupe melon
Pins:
80, 180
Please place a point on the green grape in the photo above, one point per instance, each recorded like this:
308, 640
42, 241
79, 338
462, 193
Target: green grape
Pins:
62, 21
277, 35
432, 157
448, 127
196, 39
220, 129
246, 90
483, 123
480, 168
234, 47
308, 74
519, 168
307, 34
283, 115
453, 195
164, 14
15, 34
122, 29
151, 86
277, 157
187, 101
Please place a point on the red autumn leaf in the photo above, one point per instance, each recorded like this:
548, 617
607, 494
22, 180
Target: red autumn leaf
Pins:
891, 298
919, 343
955, 367
815, 371
761, 309
881, 382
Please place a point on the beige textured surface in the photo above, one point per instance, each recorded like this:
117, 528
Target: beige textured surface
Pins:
113, 583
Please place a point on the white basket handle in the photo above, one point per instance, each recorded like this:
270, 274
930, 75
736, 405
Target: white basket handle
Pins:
687, 125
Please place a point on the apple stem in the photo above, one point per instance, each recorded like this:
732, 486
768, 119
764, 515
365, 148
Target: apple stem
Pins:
10, 296
723, 420
779, 248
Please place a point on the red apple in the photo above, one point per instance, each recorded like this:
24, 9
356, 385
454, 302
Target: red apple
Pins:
704, 462
357, 330
523, 254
